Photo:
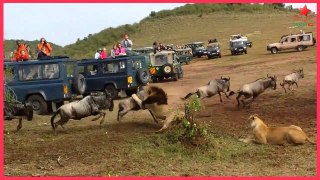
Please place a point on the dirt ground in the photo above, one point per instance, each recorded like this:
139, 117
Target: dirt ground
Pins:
131, 148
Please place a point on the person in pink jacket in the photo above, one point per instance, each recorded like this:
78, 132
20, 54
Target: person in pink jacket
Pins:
120, 50
103, 53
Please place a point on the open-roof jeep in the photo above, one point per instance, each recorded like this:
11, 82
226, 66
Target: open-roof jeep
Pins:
289, 42
213, 50
238, 46
164, 64
144, 50
197, 49
45, 83
184, 55
115, 74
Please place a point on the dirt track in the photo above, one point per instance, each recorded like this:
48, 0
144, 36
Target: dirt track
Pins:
110, 150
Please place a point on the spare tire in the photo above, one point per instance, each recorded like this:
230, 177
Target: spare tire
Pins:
79, 84
143, 76
167, 69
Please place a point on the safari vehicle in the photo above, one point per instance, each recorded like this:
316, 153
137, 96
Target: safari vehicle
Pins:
197, 49
112, 75
241, 37
289, 42
44, 83
213, 50
184, 55
164, 64
238, 46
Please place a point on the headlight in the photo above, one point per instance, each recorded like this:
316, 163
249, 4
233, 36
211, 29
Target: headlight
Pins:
235, 48
245, 47
218, 51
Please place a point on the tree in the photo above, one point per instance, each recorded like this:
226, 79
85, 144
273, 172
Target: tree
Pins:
153, 13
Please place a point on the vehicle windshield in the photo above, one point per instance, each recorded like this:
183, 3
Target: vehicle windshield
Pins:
237, 43
161, 59
213, 48
200, 48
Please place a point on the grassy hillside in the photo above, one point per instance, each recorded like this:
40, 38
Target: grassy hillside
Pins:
10, 45
194, 22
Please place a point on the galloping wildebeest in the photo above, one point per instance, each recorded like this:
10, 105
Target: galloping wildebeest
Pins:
15, 110
156, 101
130, 104
255, 88
212, 88
89, 106
291, 79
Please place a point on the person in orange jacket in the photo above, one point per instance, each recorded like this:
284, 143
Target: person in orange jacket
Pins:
23, 56
21, 53
44, 44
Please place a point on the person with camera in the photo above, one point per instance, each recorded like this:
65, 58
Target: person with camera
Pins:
126, 43
44, 44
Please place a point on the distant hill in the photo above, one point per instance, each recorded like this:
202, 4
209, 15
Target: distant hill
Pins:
191, 22
10, 45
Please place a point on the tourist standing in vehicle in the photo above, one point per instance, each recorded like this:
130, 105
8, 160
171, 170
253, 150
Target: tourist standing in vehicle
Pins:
126, 43
44, 44
23, 56
97, 54
21, 53
113, 51
120, 50
103, 53
42, 54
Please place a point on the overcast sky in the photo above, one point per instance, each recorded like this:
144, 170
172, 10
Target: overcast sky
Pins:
64, 23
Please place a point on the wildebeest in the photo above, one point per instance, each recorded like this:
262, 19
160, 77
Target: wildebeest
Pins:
255, 88
130, 104
156, 101
213, 87
88, 106
15, 110
291, 79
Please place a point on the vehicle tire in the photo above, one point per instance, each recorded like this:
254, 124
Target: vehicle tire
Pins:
167, 68
245, 52
199, 56
180, 75
209, 57
219, 55
129, 92
187, 62
39, 105
143, 76
300, 48
111, 90
274, 50
232, 53
79, 84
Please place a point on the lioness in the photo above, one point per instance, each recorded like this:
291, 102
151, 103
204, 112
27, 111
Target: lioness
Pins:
262, 134
156, 102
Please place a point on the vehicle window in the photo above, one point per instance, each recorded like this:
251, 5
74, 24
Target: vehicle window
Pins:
136, 64
50, 71
70, 69
114, 67
161, 60
293, 39
92, 69
8, 74
30, 72
306, 37
81, 70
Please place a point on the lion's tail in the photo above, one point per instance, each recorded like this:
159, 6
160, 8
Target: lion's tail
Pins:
310, 141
